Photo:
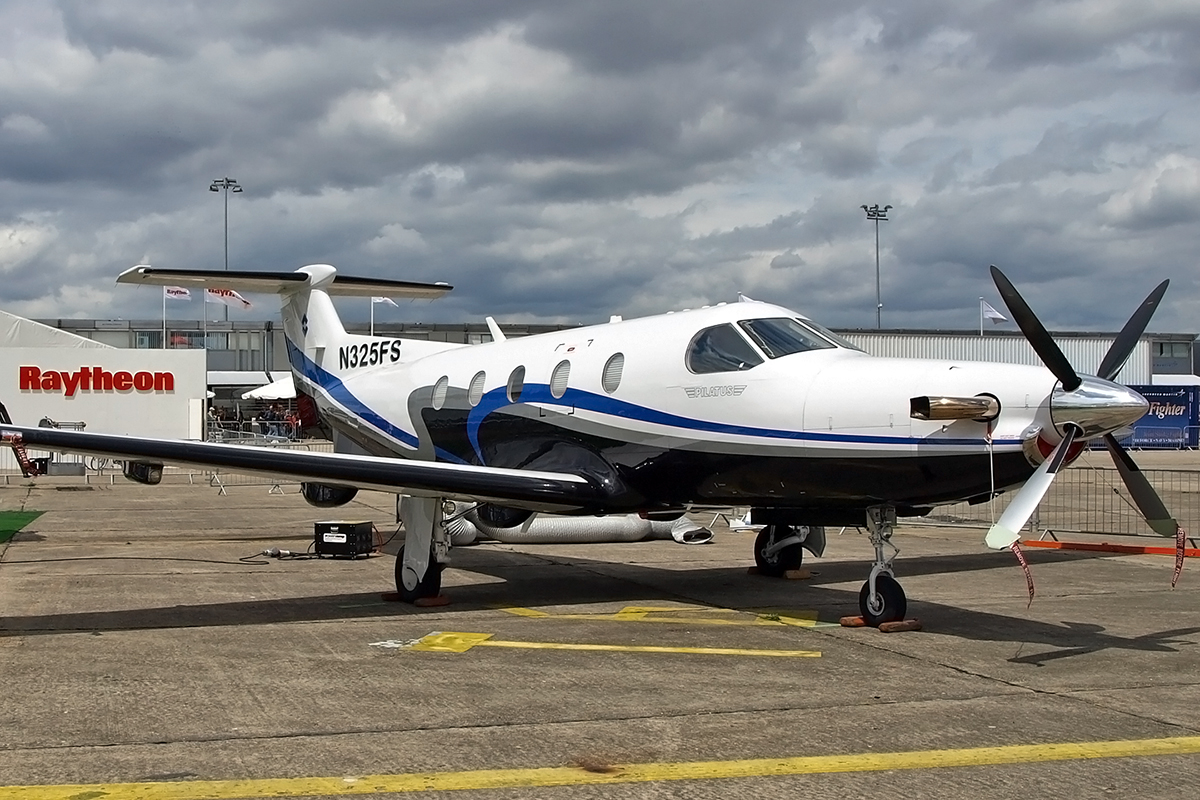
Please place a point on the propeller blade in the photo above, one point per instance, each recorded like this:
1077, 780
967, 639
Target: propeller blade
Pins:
1008, 528
1035, 332
1147, 500
1127, 339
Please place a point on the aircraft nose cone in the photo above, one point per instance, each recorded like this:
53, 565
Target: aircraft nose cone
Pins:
1097, 407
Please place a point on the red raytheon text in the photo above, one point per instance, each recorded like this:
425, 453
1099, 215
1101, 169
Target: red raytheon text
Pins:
94, 379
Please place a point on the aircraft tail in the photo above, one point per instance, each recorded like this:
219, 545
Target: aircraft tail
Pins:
319, 348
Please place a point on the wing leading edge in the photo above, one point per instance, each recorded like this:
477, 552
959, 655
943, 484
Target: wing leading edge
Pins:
535, 490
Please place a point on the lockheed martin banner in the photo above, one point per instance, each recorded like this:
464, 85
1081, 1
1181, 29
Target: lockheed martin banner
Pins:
1172, 421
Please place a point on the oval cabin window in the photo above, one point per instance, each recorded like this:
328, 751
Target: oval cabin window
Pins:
612, 373
516, 385
475, 391
559, 378
439, 393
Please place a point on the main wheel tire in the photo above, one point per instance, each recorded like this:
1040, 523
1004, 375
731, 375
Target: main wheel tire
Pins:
777, 563
892, 604
430, 585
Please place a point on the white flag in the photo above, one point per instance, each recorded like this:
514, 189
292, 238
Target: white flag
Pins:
177, 293
387, 300
227, 296
990, 313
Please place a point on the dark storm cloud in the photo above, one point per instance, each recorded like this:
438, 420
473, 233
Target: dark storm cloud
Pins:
1064, 148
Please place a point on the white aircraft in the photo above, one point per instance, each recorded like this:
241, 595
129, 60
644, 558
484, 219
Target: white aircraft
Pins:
740, 404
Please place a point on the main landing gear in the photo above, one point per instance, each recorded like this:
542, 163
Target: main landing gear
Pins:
881, 599
426, 549
778, 549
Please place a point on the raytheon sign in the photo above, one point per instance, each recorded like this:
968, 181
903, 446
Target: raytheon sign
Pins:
93, 379
140, 392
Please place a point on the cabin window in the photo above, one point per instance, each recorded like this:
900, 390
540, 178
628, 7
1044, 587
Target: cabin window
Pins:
559, 378
783, 336
439, 393
613, 368
475, 390
720, 349
516, 385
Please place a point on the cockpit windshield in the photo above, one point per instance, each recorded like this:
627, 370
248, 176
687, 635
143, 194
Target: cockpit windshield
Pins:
840, 341
783, 336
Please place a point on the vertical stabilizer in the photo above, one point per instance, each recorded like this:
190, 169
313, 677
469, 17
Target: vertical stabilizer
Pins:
311, 324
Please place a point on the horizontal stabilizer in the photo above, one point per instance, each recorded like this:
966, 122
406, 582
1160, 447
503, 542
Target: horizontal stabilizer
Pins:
280, 282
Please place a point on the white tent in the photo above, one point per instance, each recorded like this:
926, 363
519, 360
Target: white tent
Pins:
282, 389
20, 332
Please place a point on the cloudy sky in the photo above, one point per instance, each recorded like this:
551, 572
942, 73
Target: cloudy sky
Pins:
566, 161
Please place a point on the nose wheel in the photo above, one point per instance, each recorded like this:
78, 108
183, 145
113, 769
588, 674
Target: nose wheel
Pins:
881, 599
886, 604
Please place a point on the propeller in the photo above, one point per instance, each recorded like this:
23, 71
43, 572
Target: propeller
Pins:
1043, 344
1006, 531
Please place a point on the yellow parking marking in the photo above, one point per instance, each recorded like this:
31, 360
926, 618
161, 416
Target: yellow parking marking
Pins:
453, 642
524, 612
678, 615
615, 774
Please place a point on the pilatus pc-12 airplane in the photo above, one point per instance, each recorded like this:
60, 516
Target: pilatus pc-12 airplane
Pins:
739, 404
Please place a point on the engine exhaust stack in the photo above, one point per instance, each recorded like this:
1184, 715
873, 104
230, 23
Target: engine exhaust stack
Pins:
981, 408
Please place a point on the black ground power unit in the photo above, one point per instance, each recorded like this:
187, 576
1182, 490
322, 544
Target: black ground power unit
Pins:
347, 539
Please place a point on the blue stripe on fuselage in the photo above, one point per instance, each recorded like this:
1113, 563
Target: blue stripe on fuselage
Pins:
497, 399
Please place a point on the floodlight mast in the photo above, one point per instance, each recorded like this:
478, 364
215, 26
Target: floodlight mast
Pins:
876, 213
227, 185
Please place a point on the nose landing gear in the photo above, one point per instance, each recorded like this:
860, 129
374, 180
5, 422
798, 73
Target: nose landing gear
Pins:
881, 599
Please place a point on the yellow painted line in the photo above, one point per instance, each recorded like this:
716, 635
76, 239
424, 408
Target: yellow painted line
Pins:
454, 642
673, 615
524, 612
616, 774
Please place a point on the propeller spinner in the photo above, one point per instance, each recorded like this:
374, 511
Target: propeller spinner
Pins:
1083, 408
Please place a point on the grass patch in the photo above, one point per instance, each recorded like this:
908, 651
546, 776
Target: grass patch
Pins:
11, 522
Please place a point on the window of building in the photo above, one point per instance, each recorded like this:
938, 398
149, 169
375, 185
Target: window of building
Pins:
1171, 350
720, 349
185, 340
147, 340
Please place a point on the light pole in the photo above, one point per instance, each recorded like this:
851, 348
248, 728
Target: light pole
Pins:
876, 213
230, 185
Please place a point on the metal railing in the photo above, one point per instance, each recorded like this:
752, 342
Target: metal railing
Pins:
1087, 499
252, 431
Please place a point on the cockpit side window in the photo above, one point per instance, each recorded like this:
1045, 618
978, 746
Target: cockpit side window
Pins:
783, 336
720, 349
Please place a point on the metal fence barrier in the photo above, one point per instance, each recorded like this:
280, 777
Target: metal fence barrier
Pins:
221, 479
1087, 499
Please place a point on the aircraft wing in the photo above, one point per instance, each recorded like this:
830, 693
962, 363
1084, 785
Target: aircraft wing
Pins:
536, 490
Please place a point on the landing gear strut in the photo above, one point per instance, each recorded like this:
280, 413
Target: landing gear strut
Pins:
881, 598
426, 547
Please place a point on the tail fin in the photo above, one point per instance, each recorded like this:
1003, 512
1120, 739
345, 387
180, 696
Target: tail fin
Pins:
316, 338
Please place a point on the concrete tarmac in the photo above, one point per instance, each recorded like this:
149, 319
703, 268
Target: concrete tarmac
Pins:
136, 648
